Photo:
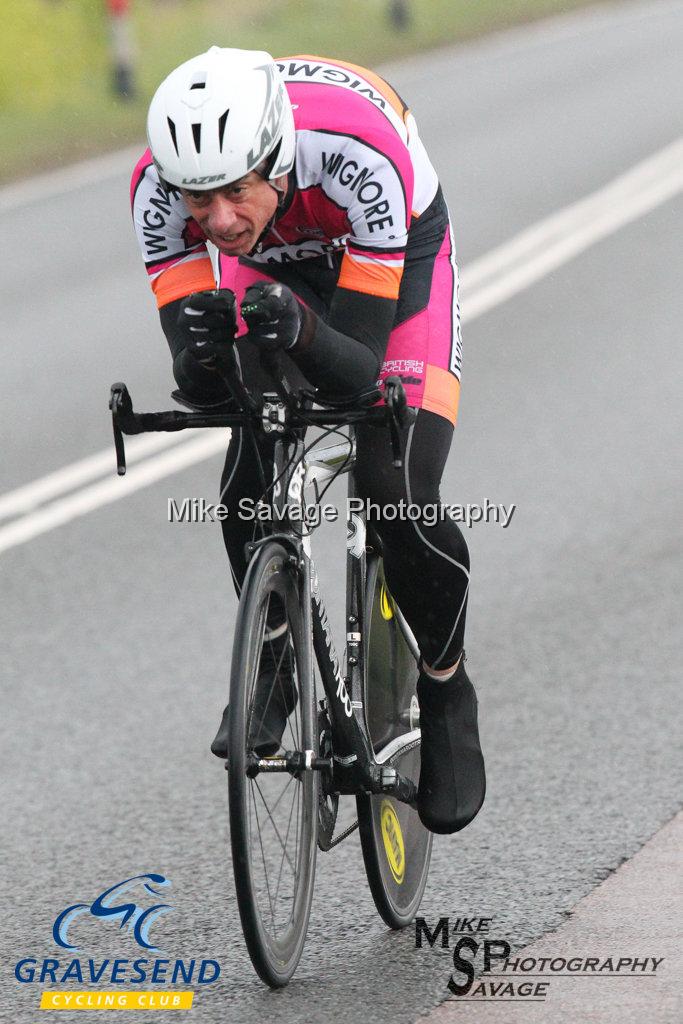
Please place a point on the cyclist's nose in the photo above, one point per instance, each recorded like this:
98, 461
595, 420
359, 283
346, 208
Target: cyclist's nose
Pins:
222, 216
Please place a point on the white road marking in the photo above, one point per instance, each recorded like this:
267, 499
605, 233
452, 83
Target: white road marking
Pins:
545, 246
112, 488
26, 499
489, 281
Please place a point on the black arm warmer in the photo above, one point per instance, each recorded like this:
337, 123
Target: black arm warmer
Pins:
343, 354
194, 380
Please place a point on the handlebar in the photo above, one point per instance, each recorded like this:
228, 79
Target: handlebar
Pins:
275, 412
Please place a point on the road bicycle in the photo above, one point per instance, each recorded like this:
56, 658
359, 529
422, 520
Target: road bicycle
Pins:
359, 733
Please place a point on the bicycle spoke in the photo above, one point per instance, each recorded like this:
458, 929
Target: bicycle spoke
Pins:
295, 729
275, 828
273, 900
289, 782
261, 624
298, 800
280, 670
265, 869
284, 671
282, 861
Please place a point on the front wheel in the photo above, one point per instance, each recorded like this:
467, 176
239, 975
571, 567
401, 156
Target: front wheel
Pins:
396, 845
273, 816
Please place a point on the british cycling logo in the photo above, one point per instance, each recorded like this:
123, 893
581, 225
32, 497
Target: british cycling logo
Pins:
139, 920
133, 906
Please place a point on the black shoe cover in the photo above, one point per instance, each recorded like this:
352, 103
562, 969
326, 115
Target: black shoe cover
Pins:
275, 699
219, 747
452, 776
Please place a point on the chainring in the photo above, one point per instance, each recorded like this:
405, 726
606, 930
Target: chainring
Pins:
328, 802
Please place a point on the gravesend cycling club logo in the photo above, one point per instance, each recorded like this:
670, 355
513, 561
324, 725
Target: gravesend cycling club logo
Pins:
128, 911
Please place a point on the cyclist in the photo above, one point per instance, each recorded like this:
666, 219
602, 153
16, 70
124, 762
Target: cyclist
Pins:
309, 177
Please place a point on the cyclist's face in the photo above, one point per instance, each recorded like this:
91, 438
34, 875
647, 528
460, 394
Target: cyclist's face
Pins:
234, 216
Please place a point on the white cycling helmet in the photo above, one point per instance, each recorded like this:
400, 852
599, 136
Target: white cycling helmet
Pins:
217, 117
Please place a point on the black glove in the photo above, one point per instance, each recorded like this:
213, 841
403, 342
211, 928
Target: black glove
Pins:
272, 314
208, 321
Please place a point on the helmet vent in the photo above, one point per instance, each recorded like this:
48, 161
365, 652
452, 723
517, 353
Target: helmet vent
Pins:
221, 129
199, 82
197, 136
171, 128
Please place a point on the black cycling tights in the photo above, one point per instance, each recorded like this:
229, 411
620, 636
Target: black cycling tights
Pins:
426, 566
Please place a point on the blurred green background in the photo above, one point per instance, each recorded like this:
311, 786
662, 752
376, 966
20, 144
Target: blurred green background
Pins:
62, 61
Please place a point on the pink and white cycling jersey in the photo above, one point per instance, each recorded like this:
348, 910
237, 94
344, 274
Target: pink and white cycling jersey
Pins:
361, 181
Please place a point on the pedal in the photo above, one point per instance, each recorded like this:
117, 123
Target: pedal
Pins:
388, 777
292, 761
398, 785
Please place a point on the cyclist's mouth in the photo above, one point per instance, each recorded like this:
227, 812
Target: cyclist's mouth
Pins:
233, 241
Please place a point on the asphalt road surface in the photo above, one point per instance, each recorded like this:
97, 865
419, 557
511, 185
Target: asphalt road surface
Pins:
116, 626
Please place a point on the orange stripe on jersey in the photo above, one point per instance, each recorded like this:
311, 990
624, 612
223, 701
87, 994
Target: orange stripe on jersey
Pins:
371, 278
380, 85
183, 278
442, 393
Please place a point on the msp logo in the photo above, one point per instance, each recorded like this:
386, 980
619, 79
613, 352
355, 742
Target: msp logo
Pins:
138, 919
506, 979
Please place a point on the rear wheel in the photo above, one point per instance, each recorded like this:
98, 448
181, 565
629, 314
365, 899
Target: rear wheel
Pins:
396, 845
273, 816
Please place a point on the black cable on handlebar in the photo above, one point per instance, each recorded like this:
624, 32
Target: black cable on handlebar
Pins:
233, 380
229, 371
337, 473
340, 469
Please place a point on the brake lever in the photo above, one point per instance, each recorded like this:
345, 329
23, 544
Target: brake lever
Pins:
400, 415
121, 405
395, 444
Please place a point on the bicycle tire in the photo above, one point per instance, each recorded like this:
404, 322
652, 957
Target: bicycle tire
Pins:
274, 926
396, 846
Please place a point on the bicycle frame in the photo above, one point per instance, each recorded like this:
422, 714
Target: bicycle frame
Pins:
355, 765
